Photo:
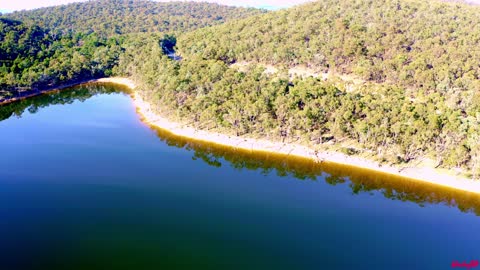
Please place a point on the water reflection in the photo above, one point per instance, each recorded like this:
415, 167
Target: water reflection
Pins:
60, 97
359, 180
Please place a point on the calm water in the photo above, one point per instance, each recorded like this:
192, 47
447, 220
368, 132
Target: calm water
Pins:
84, 184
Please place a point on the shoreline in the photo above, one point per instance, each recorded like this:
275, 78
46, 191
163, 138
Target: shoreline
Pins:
423, 174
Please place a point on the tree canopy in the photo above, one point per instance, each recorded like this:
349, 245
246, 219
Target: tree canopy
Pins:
53, 46
117, 17
32, 57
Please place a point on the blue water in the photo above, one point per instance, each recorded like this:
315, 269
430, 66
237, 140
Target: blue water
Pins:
87, 185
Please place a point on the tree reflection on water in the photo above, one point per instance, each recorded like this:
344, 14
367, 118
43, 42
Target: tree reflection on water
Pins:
359, 180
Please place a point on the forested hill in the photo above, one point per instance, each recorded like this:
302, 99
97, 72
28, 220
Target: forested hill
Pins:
111, 17
31, 57
54, 46
418, 61
429, 45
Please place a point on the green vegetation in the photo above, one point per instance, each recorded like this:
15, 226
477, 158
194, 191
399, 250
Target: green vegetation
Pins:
418, 60
424, 45
49, 47
32, 57
118, 17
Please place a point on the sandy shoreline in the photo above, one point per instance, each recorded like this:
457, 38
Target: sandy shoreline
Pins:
423, 174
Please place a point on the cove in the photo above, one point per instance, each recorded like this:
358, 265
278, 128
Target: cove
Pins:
86, 185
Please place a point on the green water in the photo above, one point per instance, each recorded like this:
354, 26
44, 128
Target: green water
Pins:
84, 184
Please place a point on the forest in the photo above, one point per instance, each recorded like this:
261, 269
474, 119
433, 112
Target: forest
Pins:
417, 61
118, 17
54, 46
31, 57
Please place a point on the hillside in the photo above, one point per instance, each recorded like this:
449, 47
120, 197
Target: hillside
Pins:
418, 60
54, 46
427, 45
31, 57
117, 17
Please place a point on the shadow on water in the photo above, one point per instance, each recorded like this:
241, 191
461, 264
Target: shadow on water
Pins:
58, 97
359, 180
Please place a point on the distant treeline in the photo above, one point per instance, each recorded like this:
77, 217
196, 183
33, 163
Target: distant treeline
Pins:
118, 17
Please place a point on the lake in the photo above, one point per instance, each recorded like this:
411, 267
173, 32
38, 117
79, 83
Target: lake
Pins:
84, 184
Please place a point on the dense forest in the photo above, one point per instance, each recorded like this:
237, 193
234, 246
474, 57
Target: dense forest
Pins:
117, 17
32, 57
54, 46
423, 45
418, 61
